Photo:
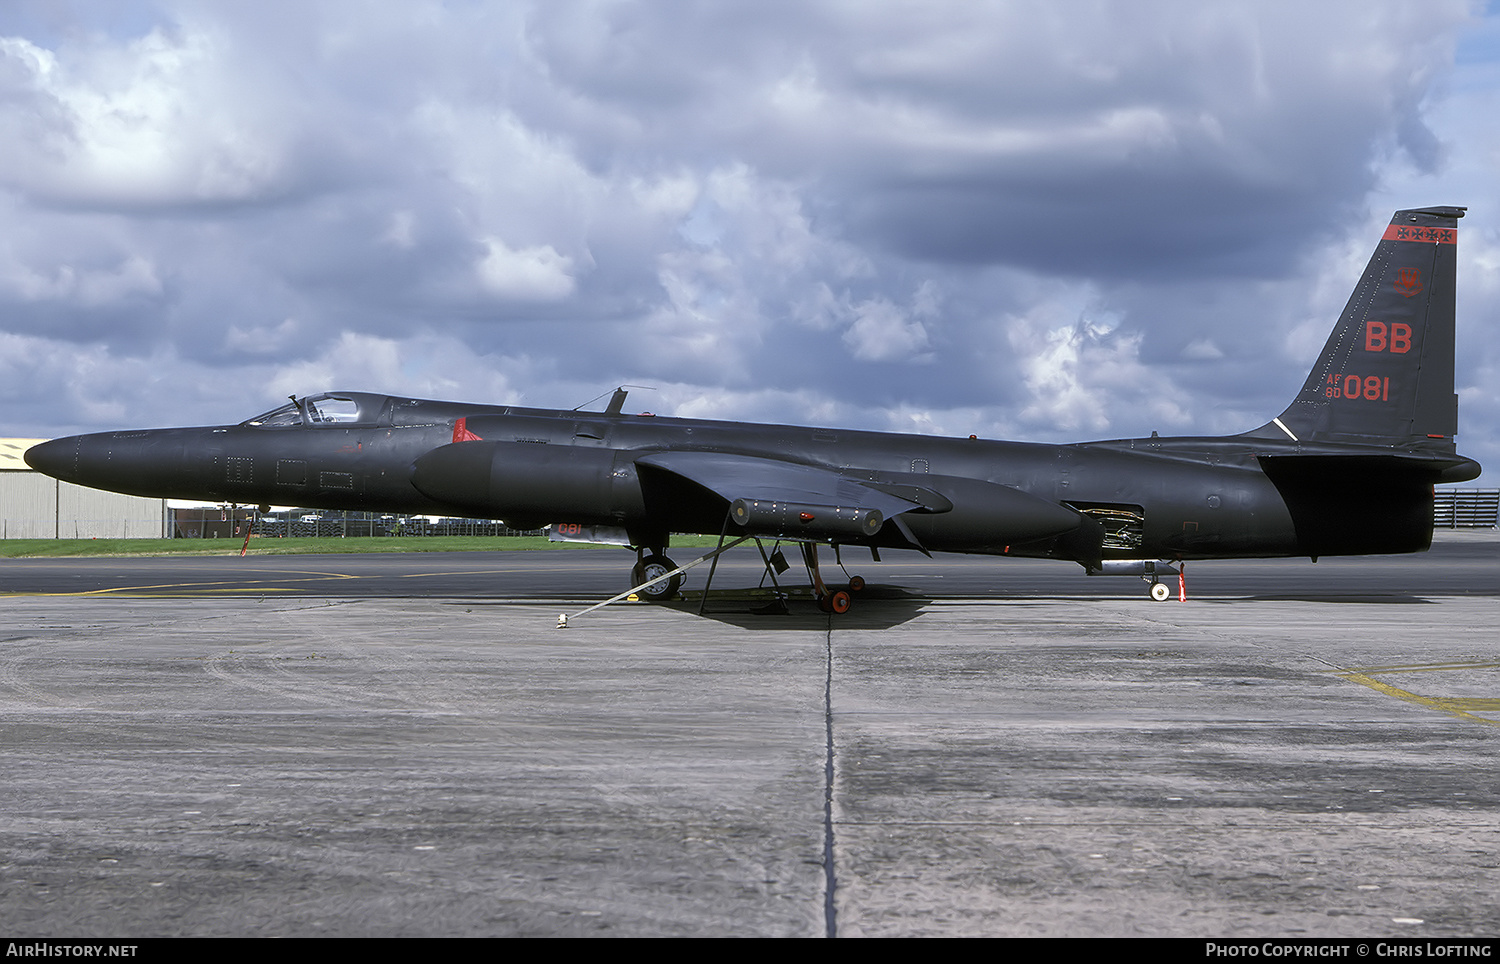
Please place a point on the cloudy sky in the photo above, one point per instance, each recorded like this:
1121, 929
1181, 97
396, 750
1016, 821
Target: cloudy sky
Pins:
1039, 220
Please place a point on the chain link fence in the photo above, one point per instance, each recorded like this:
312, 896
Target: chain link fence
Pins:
226, 523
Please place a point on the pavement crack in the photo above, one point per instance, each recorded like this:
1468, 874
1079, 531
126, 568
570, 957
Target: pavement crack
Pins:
830, 874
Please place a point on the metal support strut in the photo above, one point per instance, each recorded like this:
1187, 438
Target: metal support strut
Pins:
714, 566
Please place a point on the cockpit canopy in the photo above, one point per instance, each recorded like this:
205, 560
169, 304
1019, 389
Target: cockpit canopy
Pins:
328, 408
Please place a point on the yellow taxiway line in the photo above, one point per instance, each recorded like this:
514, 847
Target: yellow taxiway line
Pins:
1463, 707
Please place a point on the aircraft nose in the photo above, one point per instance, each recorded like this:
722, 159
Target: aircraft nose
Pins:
162, 463
136, 463
57, 458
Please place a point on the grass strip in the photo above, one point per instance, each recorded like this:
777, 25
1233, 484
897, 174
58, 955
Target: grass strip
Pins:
274, 546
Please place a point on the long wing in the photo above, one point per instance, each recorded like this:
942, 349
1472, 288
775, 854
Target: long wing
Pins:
788, 500
772, 497
751, 477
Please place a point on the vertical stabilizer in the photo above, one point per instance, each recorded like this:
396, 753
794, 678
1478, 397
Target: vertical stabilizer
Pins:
1386, 373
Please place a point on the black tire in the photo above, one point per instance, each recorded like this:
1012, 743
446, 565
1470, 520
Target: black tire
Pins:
650, 568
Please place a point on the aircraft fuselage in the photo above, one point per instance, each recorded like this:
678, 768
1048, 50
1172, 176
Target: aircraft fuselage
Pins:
1164, 498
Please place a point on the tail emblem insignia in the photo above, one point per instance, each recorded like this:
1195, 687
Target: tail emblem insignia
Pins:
1409, 281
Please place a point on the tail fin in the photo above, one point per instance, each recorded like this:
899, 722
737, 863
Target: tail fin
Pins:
1386, 373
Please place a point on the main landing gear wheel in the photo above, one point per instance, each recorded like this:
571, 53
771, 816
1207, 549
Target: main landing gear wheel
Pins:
651, 567
1160, 591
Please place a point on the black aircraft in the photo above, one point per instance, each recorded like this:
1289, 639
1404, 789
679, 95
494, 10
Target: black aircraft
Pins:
1348, 468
